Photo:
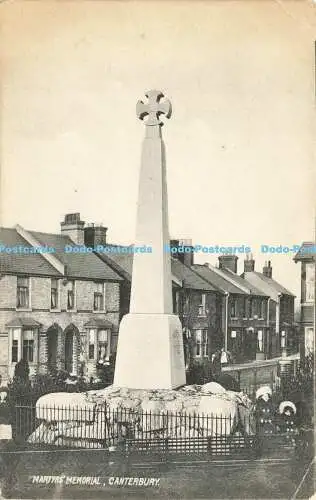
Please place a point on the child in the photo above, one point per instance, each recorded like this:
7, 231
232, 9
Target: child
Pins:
287, 418
265, 410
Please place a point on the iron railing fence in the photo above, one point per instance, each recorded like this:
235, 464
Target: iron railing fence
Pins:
132, 432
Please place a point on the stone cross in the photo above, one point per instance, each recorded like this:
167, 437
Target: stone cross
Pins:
150, 343
154, 108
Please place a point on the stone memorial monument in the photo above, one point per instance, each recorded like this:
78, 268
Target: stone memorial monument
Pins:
150, 344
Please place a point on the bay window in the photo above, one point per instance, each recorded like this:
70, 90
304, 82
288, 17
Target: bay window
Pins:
28, 345
15, 345
99, 343
22, 344
92, 342
102, 344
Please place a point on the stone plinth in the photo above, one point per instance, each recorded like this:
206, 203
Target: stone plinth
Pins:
154, 341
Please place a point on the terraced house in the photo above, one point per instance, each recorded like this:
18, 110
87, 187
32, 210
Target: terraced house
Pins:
196, 301
57, 310
307, 256
244, 310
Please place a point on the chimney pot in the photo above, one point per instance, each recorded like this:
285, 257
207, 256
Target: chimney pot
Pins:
249, 264
267, 270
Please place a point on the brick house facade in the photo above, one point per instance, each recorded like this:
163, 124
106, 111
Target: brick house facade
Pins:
195, 301
244, 311
57, 310
306, 256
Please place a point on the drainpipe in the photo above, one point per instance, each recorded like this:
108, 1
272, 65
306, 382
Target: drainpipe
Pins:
277, 321
226, 321
268, 326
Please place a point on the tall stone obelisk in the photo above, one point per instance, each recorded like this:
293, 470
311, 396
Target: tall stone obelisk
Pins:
150, 344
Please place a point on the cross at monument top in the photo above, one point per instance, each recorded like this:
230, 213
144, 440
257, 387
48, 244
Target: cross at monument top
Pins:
154, 108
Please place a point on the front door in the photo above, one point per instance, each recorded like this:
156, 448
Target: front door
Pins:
69, 340
52, 349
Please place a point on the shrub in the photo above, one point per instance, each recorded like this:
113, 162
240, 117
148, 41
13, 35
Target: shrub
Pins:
22, 370
198, 373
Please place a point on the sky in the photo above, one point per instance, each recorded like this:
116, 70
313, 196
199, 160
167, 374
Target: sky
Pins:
240, 142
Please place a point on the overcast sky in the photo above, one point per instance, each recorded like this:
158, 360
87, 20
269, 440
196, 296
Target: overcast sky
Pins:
239, 144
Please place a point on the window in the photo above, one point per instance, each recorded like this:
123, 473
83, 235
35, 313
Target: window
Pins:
177, 302
309, 339
22, 292
92, 338
98, 344
233, 308
261, 309
54, 294
201, 340
98, 297
205, 343
251, 308
15, 346
28, 345
202, 306
283, 339
198, 340
243, 307
187, 304
260, 340
102, 344
310, 282
71, 295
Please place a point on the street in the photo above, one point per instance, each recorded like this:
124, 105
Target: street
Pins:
274, 477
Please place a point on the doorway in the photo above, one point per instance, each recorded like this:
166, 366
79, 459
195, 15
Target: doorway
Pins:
69, 342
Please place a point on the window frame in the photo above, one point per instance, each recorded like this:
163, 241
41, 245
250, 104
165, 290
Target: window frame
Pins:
56, 307
73, 292
26, 289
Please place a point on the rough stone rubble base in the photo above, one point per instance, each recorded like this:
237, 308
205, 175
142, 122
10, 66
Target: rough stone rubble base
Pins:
150, 352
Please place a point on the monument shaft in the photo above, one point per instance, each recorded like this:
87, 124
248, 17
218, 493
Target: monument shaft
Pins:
150, 344
151, 284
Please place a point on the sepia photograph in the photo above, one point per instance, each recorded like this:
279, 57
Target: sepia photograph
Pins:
157, 249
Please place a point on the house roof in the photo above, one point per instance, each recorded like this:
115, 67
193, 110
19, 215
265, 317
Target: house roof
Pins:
306, 252
180, 271
78, 265
268, 285
18, 263
218, 281
191, 279
244, 282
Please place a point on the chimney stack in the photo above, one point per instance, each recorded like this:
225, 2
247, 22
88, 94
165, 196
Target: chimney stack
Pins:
185, 252
73, 227
95, 235
249, 264
267, 269
228, 262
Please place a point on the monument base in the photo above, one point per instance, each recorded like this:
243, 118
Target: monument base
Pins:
150, 352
